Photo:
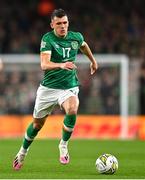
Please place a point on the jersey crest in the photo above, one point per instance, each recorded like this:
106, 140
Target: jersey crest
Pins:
74, 44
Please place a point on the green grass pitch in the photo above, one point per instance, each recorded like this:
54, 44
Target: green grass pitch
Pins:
42, 159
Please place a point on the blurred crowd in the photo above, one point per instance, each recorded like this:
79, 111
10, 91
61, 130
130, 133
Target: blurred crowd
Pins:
18, 91
109, 26
114, 26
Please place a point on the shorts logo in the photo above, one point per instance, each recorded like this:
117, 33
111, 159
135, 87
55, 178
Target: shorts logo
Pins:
74, 44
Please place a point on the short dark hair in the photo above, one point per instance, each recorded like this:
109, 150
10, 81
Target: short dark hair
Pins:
58, 13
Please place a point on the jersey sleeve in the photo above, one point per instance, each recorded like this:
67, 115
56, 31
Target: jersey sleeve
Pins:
81, 39
45, 45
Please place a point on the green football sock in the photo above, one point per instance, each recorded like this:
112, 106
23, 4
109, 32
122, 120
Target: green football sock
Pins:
29, 136
69, 122
66, 135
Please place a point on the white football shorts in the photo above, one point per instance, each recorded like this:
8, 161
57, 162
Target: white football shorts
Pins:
48, 98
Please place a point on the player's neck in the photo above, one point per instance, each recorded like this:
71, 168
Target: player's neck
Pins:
58, 35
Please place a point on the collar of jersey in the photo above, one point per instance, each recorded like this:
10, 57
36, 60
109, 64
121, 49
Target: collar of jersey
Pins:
58, 36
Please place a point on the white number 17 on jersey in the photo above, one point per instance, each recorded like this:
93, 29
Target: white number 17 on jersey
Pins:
66, 52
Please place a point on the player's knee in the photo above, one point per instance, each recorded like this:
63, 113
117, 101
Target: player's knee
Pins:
38, 124
72, 110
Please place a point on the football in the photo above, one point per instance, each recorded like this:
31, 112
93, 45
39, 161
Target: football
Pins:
106, 164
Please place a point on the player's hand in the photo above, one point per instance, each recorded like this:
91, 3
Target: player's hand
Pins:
68, 66
93, 67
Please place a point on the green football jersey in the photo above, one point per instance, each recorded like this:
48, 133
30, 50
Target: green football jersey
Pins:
62, 50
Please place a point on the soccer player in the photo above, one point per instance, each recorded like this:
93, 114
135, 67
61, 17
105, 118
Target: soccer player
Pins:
60, 83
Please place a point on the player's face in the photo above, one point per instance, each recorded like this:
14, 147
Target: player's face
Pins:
60, 25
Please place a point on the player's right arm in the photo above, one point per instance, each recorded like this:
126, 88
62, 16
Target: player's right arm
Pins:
47, 64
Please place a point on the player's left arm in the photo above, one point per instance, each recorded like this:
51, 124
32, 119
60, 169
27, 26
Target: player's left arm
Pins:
85, 49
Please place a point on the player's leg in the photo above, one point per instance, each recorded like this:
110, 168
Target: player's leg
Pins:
30, 134
71, 107
43, 106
